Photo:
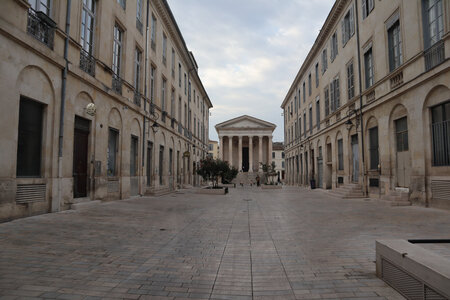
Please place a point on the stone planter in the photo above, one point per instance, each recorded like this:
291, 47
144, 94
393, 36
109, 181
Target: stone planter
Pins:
271, 187
228, 185
209, 191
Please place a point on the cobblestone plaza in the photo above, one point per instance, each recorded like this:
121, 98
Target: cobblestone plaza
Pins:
250, 244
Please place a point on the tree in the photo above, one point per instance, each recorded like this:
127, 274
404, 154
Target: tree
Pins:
212, 169
269, 171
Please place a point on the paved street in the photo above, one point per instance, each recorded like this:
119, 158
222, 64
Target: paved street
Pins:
250, 244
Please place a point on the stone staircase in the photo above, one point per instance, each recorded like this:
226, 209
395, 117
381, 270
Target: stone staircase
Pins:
247, 178
347, 191
397, 197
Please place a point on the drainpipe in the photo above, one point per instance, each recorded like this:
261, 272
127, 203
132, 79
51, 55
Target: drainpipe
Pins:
57, 204
361, 102
145, 87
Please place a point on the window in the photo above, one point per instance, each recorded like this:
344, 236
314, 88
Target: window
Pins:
299, 127
170, 161
367, 7
117, 50
348, 26
40, 5
304, 122
195, 125
179, 109
309, 85
134, 155
122, 3
317, 74
173, 63
310, 119
164, 53
185, 84
340, 155
318, 112
395, 46
433, 21
161, 164
326, 94
273, 154
179, 75
111, 156
368, 68
149, 163
172, 103
373, 148
335, 94
334, 46
440, 124
401, 130
282, 164
163, 94
153, 33
295, 101
29, 143
152, 83
139, 15
324, 60
304, 92
87, 26
137, 69
350, 81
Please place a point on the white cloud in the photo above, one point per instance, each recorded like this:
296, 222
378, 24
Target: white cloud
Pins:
249, 51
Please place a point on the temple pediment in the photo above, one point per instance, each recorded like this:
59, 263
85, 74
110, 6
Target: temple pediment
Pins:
245, 122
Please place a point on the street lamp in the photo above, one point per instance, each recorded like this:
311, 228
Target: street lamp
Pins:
349, 123
155, 127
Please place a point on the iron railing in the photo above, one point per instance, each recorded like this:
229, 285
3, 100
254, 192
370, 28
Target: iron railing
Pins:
441, 143
41, 27
117, 84
87, 62
180, 128
435, 55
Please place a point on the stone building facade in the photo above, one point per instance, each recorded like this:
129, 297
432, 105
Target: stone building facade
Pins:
92, 108
278, 158
245, 142
213, 149
370, 104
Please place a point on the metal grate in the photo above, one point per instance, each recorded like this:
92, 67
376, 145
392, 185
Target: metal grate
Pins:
374, 182
28, 193
340, 180
113, 186
407, 285
435, 55
431, 294
440, 189
87, 62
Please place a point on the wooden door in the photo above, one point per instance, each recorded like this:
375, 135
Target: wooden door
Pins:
355, 158
80, 158
403, 156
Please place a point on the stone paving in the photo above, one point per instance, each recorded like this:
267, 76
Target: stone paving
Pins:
250, 244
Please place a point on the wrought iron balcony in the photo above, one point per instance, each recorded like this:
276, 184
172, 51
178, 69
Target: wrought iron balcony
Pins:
87, 62
180, 128
137, 98
172, 122
117, 84
163, 116
41, 27
435, 55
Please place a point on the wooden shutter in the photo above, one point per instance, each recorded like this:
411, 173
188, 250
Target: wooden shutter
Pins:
364, 8
352, 21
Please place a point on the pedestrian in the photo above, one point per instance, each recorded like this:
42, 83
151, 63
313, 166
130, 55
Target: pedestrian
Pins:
257, 180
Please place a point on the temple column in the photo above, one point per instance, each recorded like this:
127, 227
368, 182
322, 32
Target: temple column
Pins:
230, 150
222, 148
250, 154
269, 159
240, 153
260, 153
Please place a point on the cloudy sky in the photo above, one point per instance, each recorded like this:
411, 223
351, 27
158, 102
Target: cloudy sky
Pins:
249, 51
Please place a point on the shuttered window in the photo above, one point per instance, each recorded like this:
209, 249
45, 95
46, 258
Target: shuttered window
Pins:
134, 155
29, 143
348, 26
440, 116
340, 147
395, 46
111, 156
373, 148
367, 7
368, 68
326, 94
